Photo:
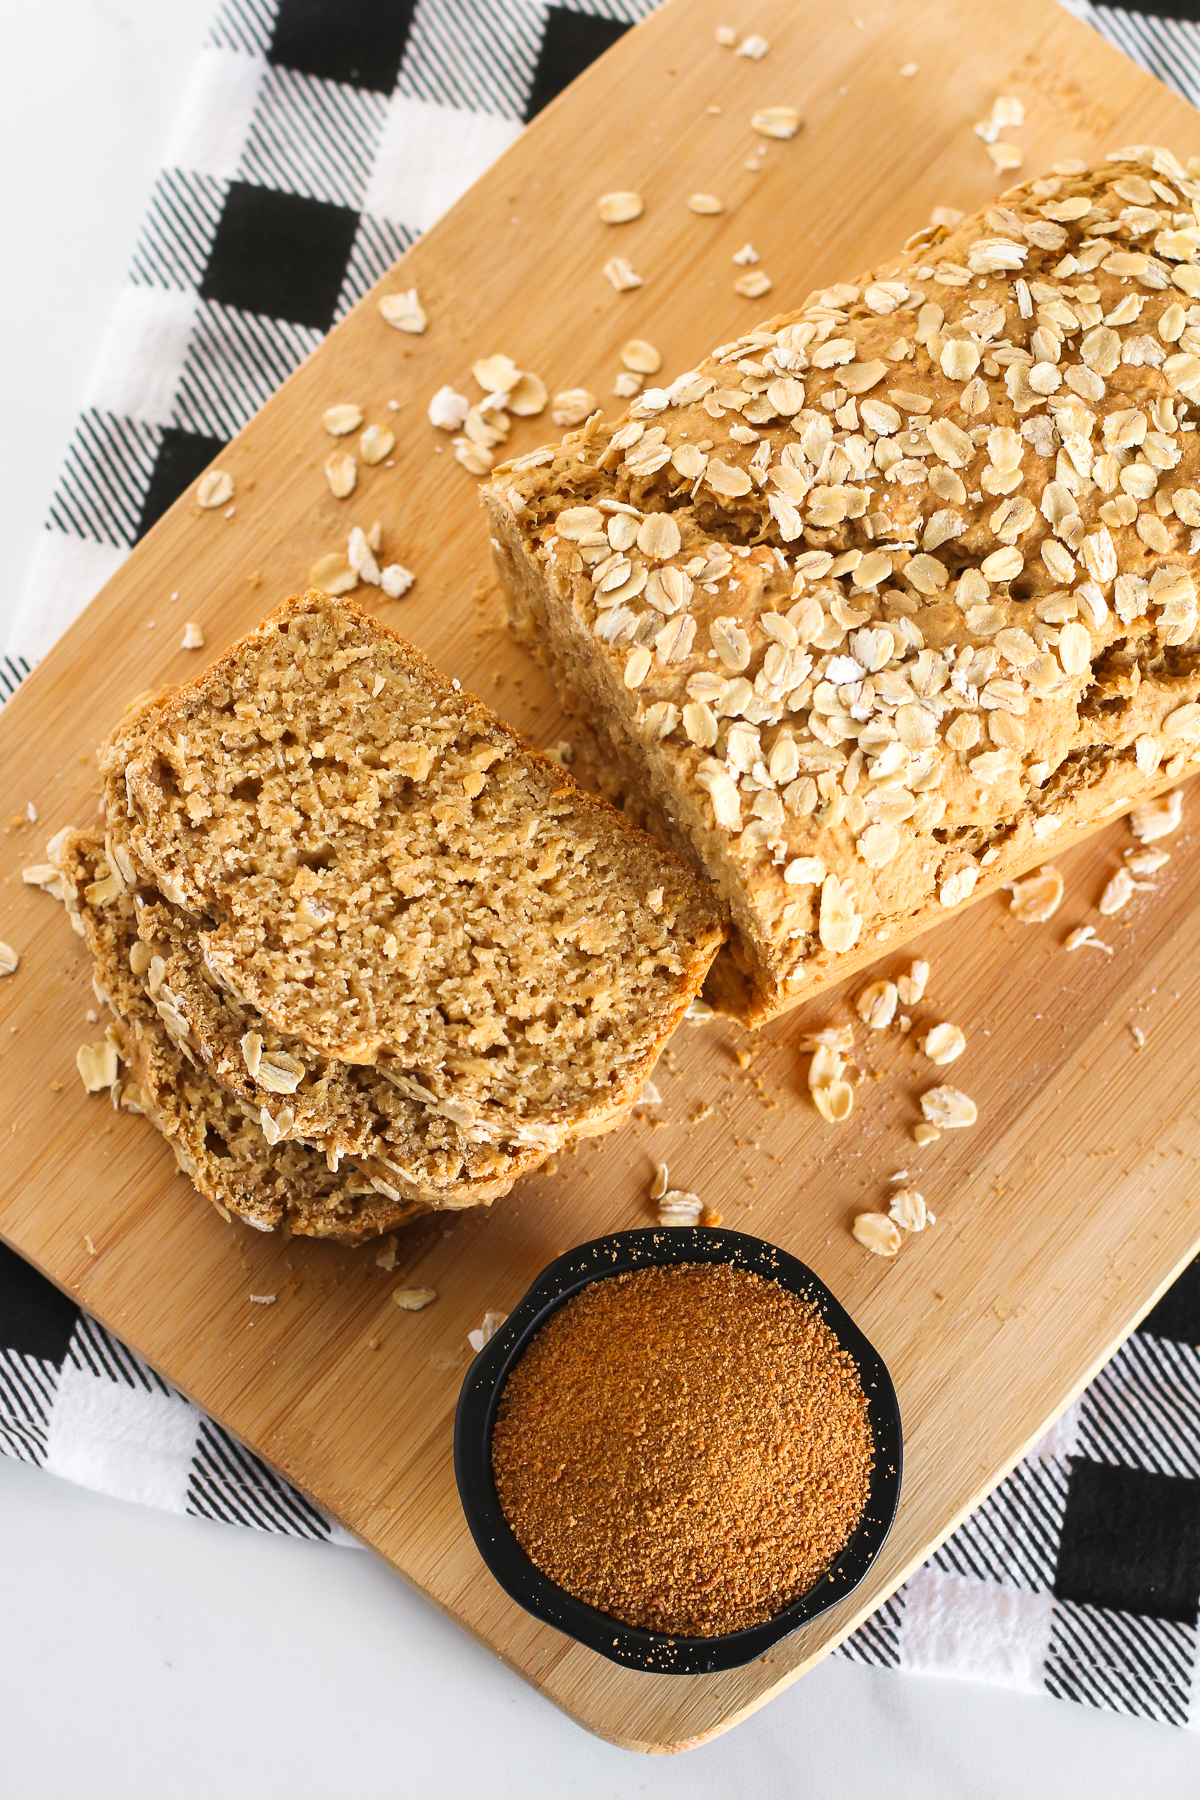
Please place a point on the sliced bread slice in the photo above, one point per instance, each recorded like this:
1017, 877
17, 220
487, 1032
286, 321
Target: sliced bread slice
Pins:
382, 869
217, 1140
294, 1091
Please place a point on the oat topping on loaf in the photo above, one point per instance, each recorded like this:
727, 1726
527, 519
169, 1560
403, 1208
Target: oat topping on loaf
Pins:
380, 868
898, 581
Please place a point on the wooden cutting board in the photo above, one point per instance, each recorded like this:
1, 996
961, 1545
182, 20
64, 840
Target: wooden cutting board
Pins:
1061, 1215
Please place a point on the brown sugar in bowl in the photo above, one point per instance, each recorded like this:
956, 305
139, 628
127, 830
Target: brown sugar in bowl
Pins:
793, 1547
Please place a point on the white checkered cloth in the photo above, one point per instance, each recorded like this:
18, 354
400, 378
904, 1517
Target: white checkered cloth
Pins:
318, 139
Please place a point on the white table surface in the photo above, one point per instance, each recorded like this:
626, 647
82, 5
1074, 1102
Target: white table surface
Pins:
153, 1657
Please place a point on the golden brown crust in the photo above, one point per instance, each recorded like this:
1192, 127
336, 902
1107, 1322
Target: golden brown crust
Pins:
893, 596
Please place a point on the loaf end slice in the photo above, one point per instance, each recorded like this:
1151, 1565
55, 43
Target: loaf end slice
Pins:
894, 597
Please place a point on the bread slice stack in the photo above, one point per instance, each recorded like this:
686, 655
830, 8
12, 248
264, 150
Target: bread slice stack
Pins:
368, 952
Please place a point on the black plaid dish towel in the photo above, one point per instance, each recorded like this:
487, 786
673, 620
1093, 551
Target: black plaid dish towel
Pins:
320, 137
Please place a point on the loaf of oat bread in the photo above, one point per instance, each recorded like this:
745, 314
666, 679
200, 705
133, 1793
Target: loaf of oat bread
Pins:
894, 596
217, 1141
378, 869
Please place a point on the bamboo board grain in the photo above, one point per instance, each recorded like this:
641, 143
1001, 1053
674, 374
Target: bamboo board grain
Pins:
1061, 1215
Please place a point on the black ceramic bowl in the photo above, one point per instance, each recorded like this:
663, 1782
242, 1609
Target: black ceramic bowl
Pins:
654, 1651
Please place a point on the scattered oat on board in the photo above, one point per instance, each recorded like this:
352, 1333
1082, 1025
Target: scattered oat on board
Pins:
376, 444
1004, 157
909, 69
622, 274
97, 1064
948, 1108
877, 1233
776, 122
340, 420
1157, 818
448, 409
830, 1037
911, 987
876, 1005
529, 396
44, 876
404, 312
925, 1133
415, 1299
699, 1012
620, 207
908, 1209
9, 959
341, 472
214, 488
705, 203
1084, 938
333, 575
395, 580
263, 1299
658, 1185
1146, 862
831, 1094
193, 636
1006, 110
754, 47
753, 285
677, 1207
1037, 897
572, 406
641, 356
943, 1043
627, 385
1119, 891
745, 256
726, 36
492, 1321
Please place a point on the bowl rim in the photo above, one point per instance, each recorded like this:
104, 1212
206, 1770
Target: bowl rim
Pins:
633, 1646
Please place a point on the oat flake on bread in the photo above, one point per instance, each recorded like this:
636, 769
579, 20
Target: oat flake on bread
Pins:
933, 595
